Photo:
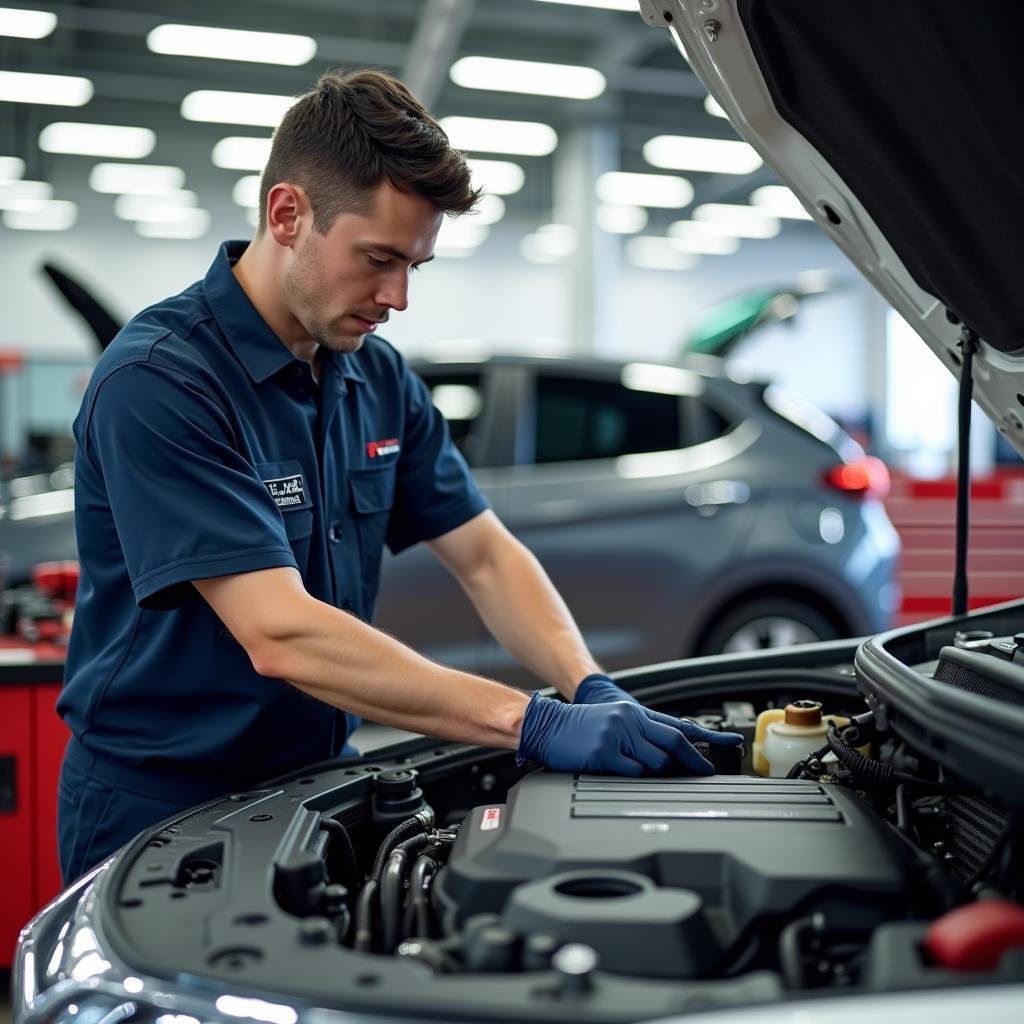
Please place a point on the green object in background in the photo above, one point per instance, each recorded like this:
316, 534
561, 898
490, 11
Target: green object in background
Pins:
720, 326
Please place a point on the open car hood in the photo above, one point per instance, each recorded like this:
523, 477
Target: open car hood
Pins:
896, 125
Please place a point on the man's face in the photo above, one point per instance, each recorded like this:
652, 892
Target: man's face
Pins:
342, 284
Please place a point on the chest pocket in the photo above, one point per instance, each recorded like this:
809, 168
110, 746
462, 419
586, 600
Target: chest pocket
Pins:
288, 486
373, 496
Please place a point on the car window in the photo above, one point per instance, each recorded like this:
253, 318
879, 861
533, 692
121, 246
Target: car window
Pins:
578, 419
459, 398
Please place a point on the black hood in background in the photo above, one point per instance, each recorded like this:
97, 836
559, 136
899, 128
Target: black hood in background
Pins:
917, 104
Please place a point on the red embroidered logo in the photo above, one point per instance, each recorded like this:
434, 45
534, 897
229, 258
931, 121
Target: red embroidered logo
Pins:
388, 447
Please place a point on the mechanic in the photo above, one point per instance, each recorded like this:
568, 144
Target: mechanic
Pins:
243, 452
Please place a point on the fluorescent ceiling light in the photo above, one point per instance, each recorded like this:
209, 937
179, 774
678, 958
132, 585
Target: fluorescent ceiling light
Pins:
621, 220
486, 135
714, 108
549, 244
716, 156
166, 208
55, 90
113, 140
40, 215
737, 220
662, 190
657, 254
241, 153
232, 44
136, 178
489, 210
26, 24
694, 236
17, 191
498, 177
11, 168
247, 191
235, 107
779, 201
606, 5
461, 234
192, 224
528, 76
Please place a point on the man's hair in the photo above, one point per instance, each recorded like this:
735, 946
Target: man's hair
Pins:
355, 130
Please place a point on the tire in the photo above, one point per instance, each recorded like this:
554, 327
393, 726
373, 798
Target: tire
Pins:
765, 622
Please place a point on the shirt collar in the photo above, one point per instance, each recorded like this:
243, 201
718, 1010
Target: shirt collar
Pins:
257, 347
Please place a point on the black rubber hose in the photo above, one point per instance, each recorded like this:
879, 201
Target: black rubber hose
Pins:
366, 917
790, 951
338, 832
408, 828
420, 879
391, 889
875, 773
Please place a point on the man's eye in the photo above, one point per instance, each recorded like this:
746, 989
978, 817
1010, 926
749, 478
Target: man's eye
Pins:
377, 263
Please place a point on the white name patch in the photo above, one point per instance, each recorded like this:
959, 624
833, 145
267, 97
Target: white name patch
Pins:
287, 491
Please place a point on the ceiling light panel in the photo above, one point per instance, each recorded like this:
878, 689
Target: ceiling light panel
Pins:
779, 201
498, 177
26, 24
240, 153
232, 44
221, 107
486, 135
11, 168
650, 253
168, 208
143, 179
567, 81
489, 210
41, 215
17, 191
247, 191
715, 156
690, 236
192, 224
621, 220
461, 234
51, 90
735, 219
659, 190
113, 140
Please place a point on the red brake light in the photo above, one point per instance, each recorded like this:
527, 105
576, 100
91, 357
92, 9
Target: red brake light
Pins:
867, 476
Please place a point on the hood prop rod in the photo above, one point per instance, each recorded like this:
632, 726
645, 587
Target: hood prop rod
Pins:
968, 345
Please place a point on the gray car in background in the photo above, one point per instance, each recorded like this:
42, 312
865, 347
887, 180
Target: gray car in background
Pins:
679, 511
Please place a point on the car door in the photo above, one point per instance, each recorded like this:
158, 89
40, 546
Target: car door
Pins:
610, 502
420, 603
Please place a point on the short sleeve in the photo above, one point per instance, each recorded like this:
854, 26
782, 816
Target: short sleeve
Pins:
185, 502
434, 490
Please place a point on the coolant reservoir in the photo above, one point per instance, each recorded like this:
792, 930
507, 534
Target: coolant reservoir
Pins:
800, 732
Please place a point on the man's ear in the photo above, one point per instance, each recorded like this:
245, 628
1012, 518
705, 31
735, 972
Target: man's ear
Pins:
287, 207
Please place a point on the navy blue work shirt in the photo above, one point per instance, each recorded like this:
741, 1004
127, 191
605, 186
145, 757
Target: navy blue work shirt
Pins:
203, 449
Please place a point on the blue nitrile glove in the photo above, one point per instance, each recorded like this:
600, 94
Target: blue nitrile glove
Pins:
621, 738
599, 689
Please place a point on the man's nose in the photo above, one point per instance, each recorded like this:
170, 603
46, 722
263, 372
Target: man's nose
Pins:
394, 292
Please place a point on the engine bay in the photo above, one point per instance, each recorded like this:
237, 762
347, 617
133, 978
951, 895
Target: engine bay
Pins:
504, 891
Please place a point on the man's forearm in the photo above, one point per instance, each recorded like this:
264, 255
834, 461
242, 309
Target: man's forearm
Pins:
341, 660
525, 613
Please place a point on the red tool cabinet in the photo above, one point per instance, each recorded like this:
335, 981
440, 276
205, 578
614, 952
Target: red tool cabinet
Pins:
32, 740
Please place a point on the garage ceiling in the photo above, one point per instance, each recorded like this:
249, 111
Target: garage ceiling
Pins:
650, 89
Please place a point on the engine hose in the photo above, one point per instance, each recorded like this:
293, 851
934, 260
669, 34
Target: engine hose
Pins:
875, 773
337, 831
366, 917
790, 949
420, 879
418, 823
391, 889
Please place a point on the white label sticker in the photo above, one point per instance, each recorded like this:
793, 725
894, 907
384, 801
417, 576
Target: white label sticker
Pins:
491, 819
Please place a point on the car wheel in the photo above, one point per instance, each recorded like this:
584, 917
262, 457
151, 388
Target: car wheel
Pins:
766, 622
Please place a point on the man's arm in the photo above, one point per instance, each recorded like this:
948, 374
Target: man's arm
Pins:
339, 659
516, 600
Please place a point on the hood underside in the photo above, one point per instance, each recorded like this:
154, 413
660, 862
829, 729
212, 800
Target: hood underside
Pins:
898, 127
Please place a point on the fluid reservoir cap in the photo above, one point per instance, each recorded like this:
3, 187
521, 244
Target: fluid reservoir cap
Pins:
398, 782
803, 712
575, 963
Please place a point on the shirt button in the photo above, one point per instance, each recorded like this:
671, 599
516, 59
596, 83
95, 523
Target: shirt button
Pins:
335, 533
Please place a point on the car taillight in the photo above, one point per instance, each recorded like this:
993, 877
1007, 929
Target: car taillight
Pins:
867, 476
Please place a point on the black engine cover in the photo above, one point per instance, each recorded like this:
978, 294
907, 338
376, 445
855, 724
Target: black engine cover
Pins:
663, 876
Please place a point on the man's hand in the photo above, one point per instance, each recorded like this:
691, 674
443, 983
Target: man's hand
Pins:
599, 689
621, 738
